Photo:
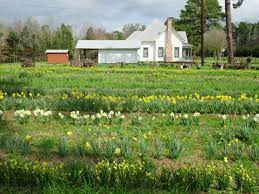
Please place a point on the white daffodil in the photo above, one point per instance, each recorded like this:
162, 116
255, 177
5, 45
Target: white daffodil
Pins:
98, 115
172, 114
118, 114
61, 116
38, 112
196, 114
47, 113
186, 116
86, 116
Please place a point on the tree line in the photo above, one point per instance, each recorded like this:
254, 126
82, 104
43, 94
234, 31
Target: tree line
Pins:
31, 39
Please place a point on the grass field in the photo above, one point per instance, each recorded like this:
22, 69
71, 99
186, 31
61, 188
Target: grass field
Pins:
128, 129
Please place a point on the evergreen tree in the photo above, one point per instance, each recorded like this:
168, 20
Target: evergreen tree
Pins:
64, 38
190, 19
13, 44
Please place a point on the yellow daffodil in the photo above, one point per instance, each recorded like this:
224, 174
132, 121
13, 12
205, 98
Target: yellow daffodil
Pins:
69, 133
226, 159
28, 138
117, 151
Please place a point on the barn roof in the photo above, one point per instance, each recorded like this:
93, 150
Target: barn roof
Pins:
108, 44
56, 51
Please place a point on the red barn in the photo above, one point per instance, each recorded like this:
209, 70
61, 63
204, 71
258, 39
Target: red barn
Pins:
57, 56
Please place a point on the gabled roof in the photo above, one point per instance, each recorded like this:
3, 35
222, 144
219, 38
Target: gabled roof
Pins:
53, 51
108, 44
183, 35
150, 33
135, 35
153, 31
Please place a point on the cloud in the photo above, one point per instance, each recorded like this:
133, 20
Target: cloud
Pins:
109, 14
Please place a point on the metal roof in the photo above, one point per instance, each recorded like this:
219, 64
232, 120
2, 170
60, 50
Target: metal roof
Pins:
135, 35
56, 51
152, 32
108, 44
183, 35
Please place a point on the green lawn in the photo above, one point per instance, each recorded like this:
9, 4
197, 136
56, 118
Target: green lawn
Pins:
155, 130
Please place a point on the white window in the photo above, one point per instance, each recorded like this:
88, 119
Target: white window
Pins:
176, 52
160, 52
145, 52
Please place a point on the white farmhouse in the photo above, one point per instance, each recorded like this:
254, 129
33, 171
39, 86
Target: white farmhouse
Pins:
157, 43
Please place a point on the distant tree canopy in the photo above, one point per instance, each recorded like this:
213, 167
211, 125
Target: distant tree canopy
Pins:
190, 19
215, 41
128, 29
30, 39
246, 37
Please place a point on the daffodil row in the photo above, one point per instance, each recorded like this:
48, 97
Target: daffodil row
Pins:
76, 117
194, 177
145, 99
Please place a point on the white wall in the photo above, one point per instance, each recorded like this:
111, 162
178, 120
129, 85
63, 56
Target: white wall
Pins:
118, 55
151, 51
177, 43
160, 42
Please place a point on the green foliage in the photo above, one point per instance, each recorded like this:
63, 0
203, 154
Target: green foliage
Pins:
125, 147
46, 145
175, 148
63, 147
190, 18
108, 148
253, 152
158, 151
64, 38
16, 144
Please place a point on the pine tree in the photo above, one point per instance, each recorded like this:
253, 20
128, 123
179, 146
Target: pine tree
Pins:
190, 19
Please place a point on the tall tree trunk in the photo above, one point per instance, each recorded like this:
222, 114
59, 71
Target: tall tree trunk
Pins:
202, 32
229, 31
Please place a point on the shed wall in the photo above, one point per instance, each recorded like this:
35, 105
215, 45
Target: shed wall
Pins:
58, 58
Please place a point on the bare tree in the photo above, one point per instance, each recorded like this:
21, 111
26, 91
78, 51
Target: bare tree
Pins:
238, 3
215, 41
128, 29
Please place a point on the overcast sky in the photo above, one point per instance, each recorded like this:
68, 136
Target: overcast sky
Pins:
110, 14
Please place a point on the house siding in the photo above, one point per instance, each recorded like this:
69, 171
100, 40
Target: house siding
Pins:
160, 42
151, 51
118, 55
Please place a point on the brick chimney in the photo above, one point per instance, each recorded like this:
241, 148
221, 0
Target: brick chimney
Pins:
169, 46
